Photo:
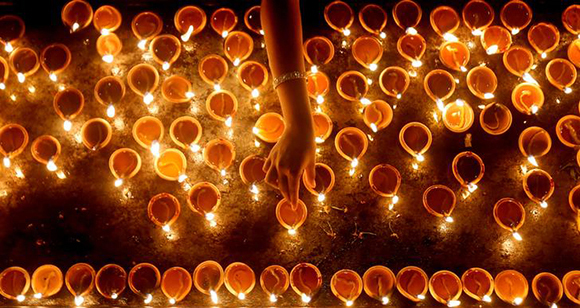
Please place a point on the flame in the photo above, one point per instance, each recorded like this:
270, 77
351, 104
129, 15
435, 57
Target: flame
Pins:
79, 300
148, 299
373, 67
52, 77
453, 303
450, 37
477, 32
385, 300
255, 93
518, 301
241, 296
108, 58
20, 298
346, 32
6, 162
416, 63
8, 47
214, 297
515, 31
349, 303
321, 197
155, 148
273, 298
305, 298
228, 121
292, 232
51, 166
411, 31
21, 77
225, 34
320, 99
488, 95
118, 182
185, 37
147, 98
486, 298
111, 111
165, 65
142, 44
383, 35
492, 49
517, 236
75, 27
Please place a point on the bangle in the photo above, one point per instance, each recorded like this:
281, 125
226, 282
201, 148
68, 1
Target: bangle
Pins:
286, 77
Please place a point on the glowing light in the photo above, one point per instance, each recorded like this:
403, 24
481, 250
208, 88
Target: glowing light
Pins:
440, 105
453, 303
305, 298
421, 296
52, 77
471, 187
492, 49
318, 140
108, 58
518, 301
255, 93
416, 63
463, 69
38, 295
6, 161
2, 86
225, 34
21, 77
420, 157
486, 298
155, 148
373, 67
518, 237
354, 163
257, 107
369, 81
488, 95
217, 87
554, 306
19, 173
241, 296
195, 147
534, 109
214, 297
75, 27
273, 298
346, 32
254, 189
51, 166
148, 98
383, 35
79, 300
321, 197
365, 101
515, 31
166, 228
8, 48
450, 37
411, 31
105, 31
477, 32
114, 296
449, 219
544, 204
261, 32
148, 299
412, 73
320, 99
165, 66
385, 300
172, 301
111, 111
349, 303
567, 90
257, 143
374, 127
291, 231
228, 121
544, 55
20, 298
236, 61
67, 125
142, 44
118, 182
415, 166
185, 37
532, 161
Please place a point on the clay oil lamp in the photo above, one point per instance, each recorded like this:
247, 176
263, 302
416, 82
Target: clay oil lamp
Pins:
496, 39
165, 49
439, 86
407, 15
317, 85
239, 279
223, 21
468, 169
46, 150
339, 16
253, 76
13, 141
515, 15
510, 215
322, 126
77, 15
222, 105
213, 70
318, 51
46, 281
547, 289
574, 202
482, 82
274, 280
415, 138
80, 281
12, 29
353, 86
4, 72
378, 115
373, 19
54, 59
538, 186
189, 21
146, 26
96, 133
544, 37
446, 288
111, 281
444, 20
439, 201
144, 279
204, 199
306, 281
385, 181
143, 80
570, 19
238, 46
148, 133
567, 130
454, 55
23, 62
107, 19
253, 21
351, 143
518, 60
379, 283
511, 287
219, 154
163, 210
176, 284
413, 283
412, 47
108, 46
573, 52
324, 180
68, 104
477, 16
478, 284
571, 283
495, 119
124, 164
394, 81
291, 216
534, 142
14, 283
252, 173
109, 91
208, 278
269, 127
171, 165
177, 89
346, 285
458, 116
561, 73
186, 132
367, 51
527, 98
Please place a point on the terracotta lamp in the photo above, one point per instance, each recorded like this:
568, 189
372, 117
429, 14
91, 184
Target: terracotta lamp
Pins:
219, 154
352, 85
269, 127
170, 164
439, 201
143, 80
318, 51
567, 130
252, 170
12, 29
346, 285
189, 21
4, 72
177, 89
291, 216
538, 186
478, 284
111, 281
510, 215
571, 286
518, 60
324, 180
547, 289
468, 169
239, 279
165, 49
385, 181
574, 202
146, 26
454, 55
96, 133
458, 116
415, 138
13, 141
124, 164
213, 70
446, 288
351, 143
407, 14
413, 283
378, 115
496, 39
253, 21
109, 91
379, 282
186, 132
80, 281
46, 281
23, 62
339, 16
108, 46
222, 105
394, 81
223, 21
477, 16
176, 283
511, 287
544, 37
148, 132
208, 278
367, 51
14, 283
573, 52
68, 104
412, 47
527, 98
439, 86
495, 119
77, 15
163, 210
570, 19
516, 15
444, 19
54, 59
204, 199
322, 126
317, 85
482, 82
107, 19
534, 142
238, 46
46, 150
561, 73
144, 279
274, 280
306, 281
253, 76
373, 19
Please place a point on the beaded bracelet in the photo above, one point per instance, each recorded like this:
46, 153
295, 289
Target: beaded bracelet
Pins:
286, 77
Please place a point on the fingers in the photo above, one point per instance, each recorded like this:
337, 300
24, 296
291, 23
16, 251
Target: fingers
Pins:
283, 186
293, 188
267, 165
310, 173
272, 177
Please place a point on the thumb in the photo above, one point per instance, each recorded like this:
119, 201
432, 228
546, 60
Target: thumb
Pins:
311, 174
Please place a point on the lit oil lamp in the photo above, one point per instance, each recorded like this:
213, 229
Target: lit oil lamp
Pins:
412, 47
478, 284
148, 132
252, 173
573, 53
176, 89
253, 76
446, 288
510, 215
165, 49
13, 29
538, 186
146, 26
567, 130
96, 133
561, 73
223, 21
170, 164
46, 150
458, 116
518, 60
351, 143
68, 104
80, 281
291, 216
269, 127
204, 199
439, 201
306, 281
468, 169
144, 279
213, 70
515, 15
111, 281
13, 141
346, 285
318, 85
322, 126
394, 81
274, 280
415, 138
367, 51
378, 115
324, 180
407, 14
208, 278
413, 283
527, 98
239, 279
124, 164
219, 154
439, 85
189, 21
54, 59
14, 283
544, 37
511, 287
482, 82
253, 21
495, 119
143, 80
534, 142
379, 282
385, 181
222, 105
373, 19
107, 19
77, 15
454, 55
238, 46
186, 132
570, 19
4, 71
571, 283
352, 86
477, 16
109, 91
46, 281
444, 20
547, 289
339, 16
318, 51
23, 62
109, 46
163, 210
176, 284
496, 39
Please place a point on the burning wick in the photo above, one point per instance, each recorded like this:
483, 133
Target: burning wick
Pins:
21, 77
471, 187
171, 301
532, 161
544, 204
195, 147
185, 37
320, 99
79, 300
369, 81
349, 303
365, 101
374, 127
147, 98
273, 298
51, 166
8, 48
373, 67
236, 61
321, 197
20, 298
255, 93
225, 34
411, 31
111, 111
346, 32
214, 297
118, 182
477, 32
385, 300
114, 296
420, 157
165, 66
166, 229
105, 31
534, 109
6, 161
517, 236
544, 55
394, 201
2, 86
383, 35
314, 69
228, 121
38, 295
416, 63
449, 219
155, 147
52, 77
567, 90
453, 303
440, 105
305, 298
421, 296
217, 87
488, 95
241, 296
486, 299
142, 44
148, 299
292, 232
67, 125
518, 301
353, 165
108, 58
528, 78
75, 27
450, 37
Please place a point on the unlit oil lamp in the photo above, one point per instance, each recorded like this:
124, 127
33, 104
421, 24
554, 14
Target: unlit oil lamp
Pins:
107, 19
468, 169
415, 138
322, 126
80, 281
144, 279
495, 119
317, 85
269, 127
510, 215
412, 47
170, 164
379, 282
176, 283
23, 62
12, 29
571, 284
124, 164
378, 115
439, 201
68, 104
143, 80
109, 46
253, 76
213, 70
496, 39
253, 20
109, 91
222, 105
163, 210
165, 49
547, 289
252, 173
544, 38
274, 281
458, 116
14, 283
339, 16
46, 281
570, 19
353, 86
96, 133
527, 98
482, 82
444, 20
219, 154
385, 181
238, 46
186, 132
189, 21
208, 278
516, 15
538, 186
518, 60
446, 288
223, 21
394, 81
346, 285
177, 89
454, 55
239, 279
306, 281
568, 130
77, 15
318, 51
324, 180
407, 15
46, 150
291, 216
111, 281
204, 199
146, 26
439, 85
13, 141
373, 19
511, 287
573, 52
413, 283
367, 51
4, 72
561, 73
534, 142
351, 143
477, 16
148, 133
54, 59
478, 284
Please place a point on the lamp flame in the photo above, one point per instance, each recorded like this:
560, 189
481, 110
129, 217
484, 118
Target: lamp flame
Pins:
185, 37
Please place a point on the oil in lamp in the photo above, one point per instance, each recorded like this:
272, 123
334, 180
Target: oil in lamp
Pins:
204, 199
189, 21
124, 164
269, 127
222, 105
96, 133
477, 16
208, 278
407, 15
239, 279
13, 141
46, 281
176, 284
322, 126
143, 80
46, 150
68, 104
274, 280
324, 180
373, 19
538, 186
561, 73
515, 15
77, 15
252, 173
144, 279
527, 98
23, 62
439, 201
482, 82
351, 143
567, 130
146, 26
412, 47
454, 55
318, 51
367, 51
109, 91
54, 59
109, 46
379, 282
439, 85
496, 39
444, 20
446, 288
570, 19
291, 216
534, 142
353, 86
165, 49
163, 210
571, 286
547, 289
346, 285
176, 89
170, 164
186, 132
478, 284
219, 154
518, 60
394, 81
111, 281
80, 281
378, 115
4, 71
510, 215
385, 181
458, 116
213, 70
223, 21
544, 37
14, 283
339, 16
253, 21
495, 119
317, 85
306, 281
511, 287
468, 169
415, 138
253, 76
238, 46
12, 29
413, 283
148, 133
573, 53
107, 19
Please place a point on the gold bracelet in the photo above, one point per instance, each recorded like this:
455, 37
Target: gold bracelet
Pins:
286, 77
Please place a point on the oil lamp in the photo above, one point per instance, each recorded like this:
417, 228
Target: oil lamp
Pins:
352, 86
213, 70
107, 19
252, 173
567, 130
454, 55
439, 201
14, 283
143, 80
324, 181
291, 216
253, 21
515, 15
189, 21
544, 37
68, 104
373, 19
96, 133
253, 76
412, 47
444, 20
378, 115
208, 278
4, 72
351, 143
109, 91
23, 62
46, 150
547, 289
238, 46
570, 19
510, 215
394, 81
446, 288
379, 282
477, 16
318, 51
239, 279
176, 284
527, 98
518, 60
538, 186
80, 281
219, 154
170, 164
223, 21
478, 284
407, 15
439, 85
534, 142
222, 105
322, 126
415, 138
54, 59
77, 15
124, 164
269, 127
186, 132
339, 16
570, 284
561, 73
274, 280
144, 279
177, 89
413, 283
13, 29
511, 287
111, 281
367, 51
495, 119
496, 39
482, 82
146, 26
468, 169
306, 281
46, 281
458, 116
204, 199
165, 49
385, 181
13, 141
148, 133
573, 52
109, 46
346, 285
